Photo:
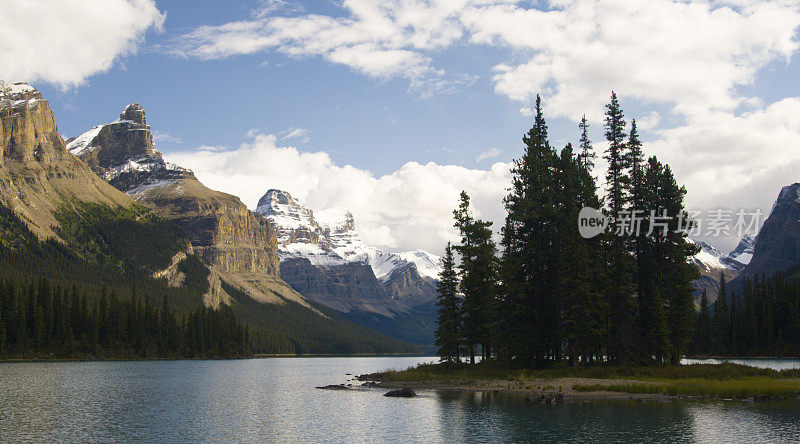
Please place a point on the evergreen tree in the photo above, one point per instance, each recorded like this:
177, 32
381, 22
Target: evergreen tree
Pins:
721, 321
579, 270
478, 270
527, 266
448, 331
587, 154
621, 287
703, 330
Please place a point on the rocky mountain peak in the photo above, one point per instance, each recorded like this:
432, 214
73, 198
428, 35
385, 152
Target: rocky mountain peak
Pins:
37, 175
281, 203
27, 126
134, 113
17, 92
124, 153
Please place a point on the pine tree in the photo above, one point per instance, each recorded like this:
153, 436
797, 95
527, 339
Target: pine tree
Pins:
527, 266
621, 287
703, 329
448, 331
721, 321
587, 154
478, 270
578, 266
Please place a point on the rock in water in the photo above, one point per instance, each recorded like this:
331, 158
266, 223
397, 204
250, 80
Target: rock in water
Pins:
334, 387
404, 392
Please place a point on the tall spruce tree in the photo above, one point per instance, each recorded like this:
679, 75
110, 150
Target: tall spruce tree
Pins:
587, 154
721, 321
478, 270
528, 254
448, 331
579, 270
703, 329
677, 271
621, 288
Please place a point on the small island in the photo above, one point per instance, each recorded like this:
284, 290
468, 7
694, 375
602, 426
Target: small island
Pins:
601, 383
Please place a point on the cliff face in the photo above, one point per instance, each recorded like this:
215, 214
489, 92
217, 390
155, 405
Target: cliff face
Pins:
37, 175
220, 227
239, 245
409, 288
347, 288
777, 246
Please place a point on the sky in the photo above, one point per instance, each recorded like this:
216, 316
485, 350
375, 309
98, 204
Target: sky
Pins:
390, 109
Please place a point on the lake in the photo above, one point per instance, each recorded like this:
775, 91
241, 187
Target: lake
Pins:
275, 400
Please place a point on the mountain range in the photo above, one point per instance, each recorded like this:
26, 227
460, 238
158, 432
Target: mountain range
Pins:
105, 209
303, 279
710, 262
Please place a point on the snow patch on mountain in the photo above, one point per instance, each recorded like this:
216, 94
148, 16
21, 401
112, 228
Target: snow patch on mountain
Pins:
710, 259
743, 252
83, 142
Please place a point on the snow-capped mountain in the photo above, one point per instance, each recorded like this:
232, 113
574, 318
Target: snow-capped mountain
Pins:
124, 154
329, 237
323, 258
710, 262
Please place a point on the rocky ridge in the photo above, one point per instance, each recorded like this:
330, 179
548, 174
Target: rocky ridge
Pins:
38, 176
239, 246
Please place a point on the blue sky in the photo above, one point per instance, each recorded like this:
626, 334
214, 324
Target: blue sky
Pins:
376, 124
386, 109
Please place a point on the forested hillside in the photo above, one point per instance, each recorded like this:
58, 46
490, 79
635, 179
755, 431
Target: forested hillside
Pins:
94, 296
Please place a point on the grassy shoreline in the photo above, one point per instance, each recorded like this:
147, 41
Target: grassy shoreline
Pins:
719, 381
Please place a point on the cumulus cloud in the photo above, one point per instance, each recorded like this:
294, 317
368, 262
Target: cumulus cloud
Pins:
721, 156
163, 136
378, 39
66, 42
689, 54
408, 208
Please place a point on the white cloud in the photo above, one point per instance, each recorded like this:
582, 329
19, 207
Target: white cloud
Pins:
692, 55
744, 159
491, 153
408, 208
66, 42
695, 61
378, 39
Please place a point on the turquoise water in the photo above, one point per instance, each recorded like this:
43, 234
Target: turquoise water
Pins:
274, 400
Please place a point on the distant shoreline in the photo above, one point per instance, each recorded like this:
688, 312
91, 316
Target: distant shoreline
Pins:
257, 356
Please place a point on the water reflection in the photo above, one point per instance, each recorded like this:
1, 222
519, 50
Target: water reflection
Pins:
274, 400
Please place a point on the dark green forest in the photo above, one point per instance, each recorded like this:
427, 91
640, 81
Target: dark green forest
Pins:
106, 260
39, 320
762, 320
547, 296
